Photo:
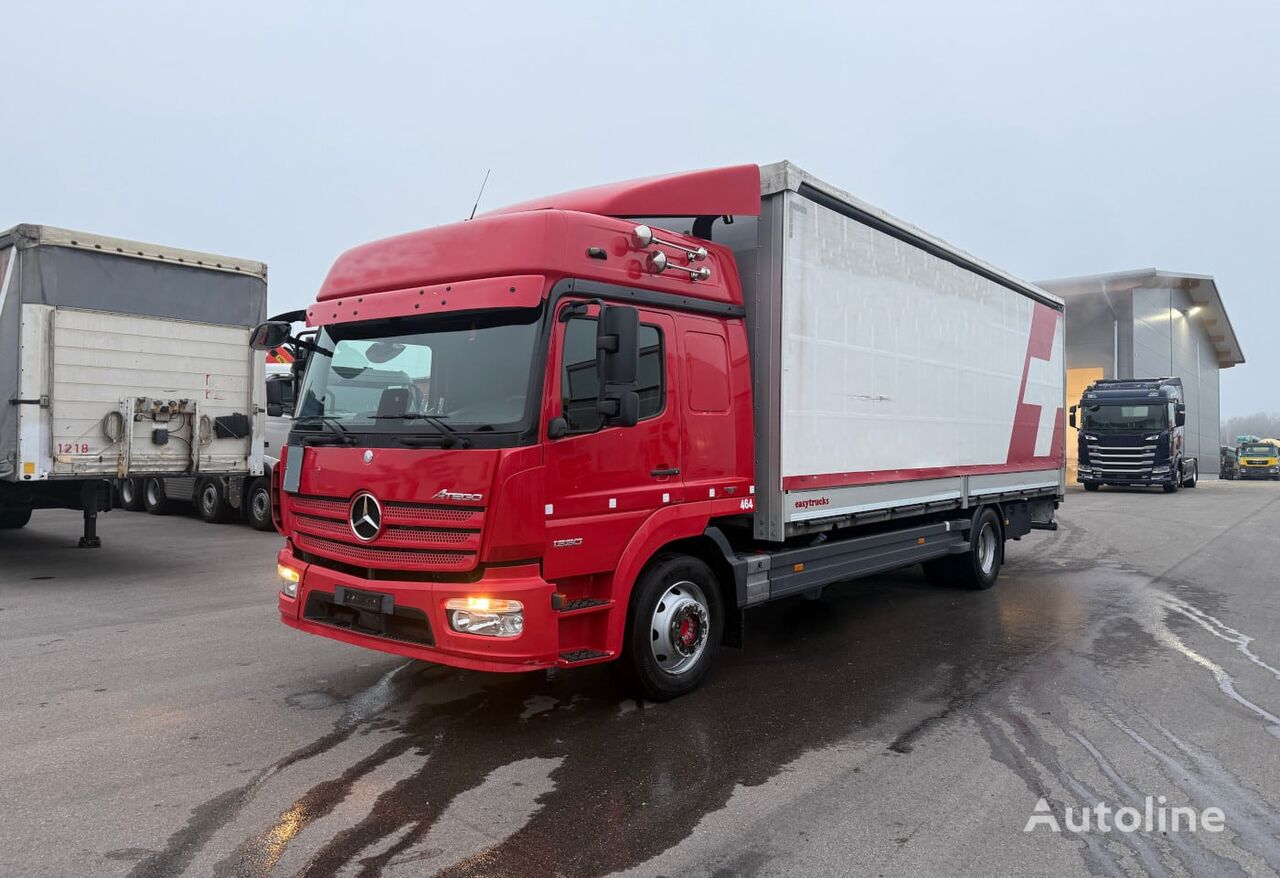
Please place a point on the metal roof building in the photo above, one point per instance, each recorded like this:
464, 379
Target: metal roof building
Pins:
1150, 323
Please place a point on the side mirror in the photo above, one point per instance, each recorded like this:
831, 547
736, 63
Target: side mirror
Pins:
270, 335
275, 410
557, 428
1073, 415
620, 409
1180, 415
618, 344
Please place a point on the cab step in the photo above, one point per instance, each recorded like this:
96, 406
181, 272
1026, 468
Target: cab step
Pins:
579, 656
580, 606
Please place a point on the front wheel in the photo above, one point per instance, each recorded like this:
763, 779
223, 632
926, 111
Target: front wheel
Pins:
257, 504
673, 627
1091, 486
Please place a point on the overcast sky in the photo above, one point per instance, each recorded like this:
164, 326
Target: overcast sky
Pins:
1101, 137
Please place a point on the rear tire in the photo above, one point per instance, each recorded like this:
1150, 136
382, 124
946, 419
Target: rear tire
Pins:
979, 568
1195, 474
154, 499
257, 504
211, 501
131, 494
14, 517
674, 623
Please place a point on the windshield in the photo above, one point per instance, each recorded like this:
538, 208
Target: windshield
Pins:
1126, 417
1259, 450
469, 373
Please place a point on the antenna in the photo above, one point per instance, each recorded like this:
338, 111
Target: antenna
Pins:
478, 194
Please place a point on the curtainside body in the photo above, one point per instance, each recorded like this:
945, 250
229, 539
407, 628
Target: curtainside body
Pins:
602, 424
121, 359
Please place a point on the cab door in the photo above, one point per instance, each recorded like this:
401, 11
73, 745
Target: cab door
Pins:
603, 481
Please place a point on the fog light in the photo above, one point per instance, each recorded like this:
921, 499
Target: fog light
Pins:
491, 617
289, 579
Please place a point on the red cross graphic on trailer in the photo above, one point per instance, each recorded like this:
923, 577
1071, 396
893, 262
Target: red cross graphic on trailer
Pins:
1037, 422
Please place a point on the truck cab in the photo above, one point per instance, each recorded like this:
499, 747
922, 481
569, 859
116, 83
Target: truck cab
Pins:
1259, 460
1131, 433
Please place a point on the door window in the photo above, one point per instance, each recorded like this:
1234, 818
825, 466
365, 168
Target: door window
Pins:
580, 379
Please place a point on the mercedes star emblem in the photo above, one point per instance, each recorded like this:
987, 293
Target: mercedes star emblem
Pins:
365, 517
368, 457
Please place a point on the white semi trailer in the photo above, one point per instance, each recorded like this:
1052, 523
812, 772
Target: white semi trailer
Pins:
121, 359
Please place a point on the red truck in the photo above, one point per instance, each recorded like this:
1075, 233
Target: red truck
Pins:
601, 425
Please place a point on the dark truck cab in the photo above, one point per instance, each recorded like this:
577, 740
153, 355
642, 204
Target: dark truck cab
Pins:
1131, 434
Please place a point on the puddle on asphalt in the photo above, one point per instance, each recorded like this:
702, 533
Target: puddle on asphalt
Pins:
616, 782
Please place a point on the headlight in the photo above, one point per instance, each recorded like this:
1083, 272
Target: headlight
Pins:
490, 617
1160, 469
289, 579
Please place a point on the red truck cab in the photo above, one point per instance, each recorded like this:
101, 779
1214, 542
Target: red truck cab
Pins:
503, 531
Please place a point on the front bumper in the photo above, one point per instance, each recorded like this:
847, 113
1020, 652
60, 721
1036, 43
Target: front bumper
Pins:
534, 648
1145, 480
1259, 472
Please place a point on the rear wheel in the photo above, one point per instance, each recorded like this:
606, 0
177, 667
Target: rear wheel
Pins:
14, 517
131, 494
979, 567
257, 504
154, 499
211, 501
1195, 474
673, 627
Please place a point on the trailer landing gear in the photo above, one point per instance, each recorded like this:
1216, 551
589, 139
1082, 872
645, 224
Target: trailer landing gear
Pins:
90, 498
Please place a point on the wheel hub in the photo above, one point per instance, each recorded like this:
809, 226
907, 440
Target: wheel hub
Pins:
678, 629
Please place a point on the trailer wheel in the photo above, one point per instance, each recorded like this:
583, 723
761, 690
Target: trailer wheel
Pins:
211, 501
674, 623
14, 517
154, 499
131, 494
257, 504
1195, 474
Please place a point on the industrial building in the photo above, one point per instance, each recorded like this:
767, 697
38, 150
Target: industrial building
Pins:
1150, 323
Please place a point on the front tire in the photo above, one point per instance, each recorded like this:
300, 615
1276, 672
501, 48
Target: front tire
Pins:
257, 504
1091, 486
154, 499
674, 623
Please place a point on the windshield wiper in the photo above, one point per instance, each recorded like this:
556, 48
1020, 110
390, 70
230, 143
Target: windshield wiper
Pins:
339, 435
451, 436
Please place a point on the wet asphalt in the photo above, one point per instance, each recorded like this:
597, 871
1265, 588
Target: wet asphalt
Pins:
157, 720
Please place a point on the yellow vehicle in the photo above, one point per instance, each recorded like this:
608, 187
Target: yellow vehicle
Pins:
1260, 460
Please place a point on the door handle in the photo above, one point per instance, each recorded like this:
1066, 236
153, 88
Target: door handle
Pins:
661, 473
